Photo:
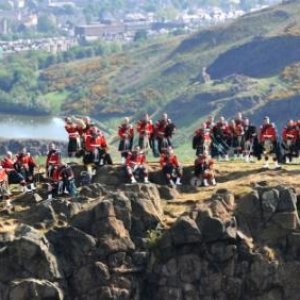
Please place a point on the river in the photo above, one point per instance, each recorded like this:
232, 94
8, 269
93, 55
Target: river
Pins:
27, 127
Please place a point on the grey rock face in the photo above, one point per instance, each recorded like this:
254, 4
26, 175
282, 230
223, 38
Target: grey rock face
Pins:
223, 249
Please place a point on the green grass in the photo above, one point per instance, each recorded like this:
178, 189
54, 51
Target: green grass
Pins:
55, 100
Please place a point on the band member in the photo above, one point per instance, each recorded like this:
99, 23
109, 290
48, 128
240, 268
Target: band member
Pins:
202, 140
164, 130
136, 166
290, 140
171, 168
221, 136
204, 169
73, 131
4, 187
53, 159
62, 181
145, 129
8, 163
251, 145
268, 140
96, 149
210, 122
126, 135
239, 120
25, 166
238, 137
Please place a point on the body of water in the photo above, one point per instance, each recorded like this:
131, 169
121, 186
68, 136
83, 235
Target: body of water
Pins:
28, 127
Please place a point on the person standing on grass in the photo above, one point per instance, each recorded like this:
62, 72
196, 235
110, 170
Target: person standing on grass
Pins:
126, 135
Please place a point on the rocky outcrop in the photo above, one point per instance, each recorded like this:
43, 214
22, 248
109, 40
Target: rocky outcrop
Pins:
111, 243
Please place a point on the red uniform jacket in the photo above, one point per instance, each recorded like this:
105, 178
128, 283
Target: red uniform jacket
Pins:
290, 133
160, 127
56, 176
169, 160
72, 130
8, 164
135, 160
25, 161
204, 134
53, 158
92, 143
126, 132
144, 128
3, 175
268, 132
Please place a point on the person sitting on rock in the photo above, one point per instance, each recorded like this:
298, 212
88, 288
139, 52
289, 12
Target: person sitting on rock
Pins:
290, 141
25, 166
145, 129
8, 163
74, 144
171, 168
136, 166
126, 135
53, 159
204, 170
269, 143
62, 181
4, 187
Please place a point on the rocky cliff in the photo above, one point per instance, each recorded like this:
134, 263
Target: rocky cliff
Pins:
113, 242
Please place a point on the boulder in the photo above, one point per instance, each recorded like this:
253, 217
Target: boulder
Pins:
168, 193
286, 220
287, 200
41, 213
71, 247
29, 198
269, 203
18, 255
185, 231
34, 289
189, 268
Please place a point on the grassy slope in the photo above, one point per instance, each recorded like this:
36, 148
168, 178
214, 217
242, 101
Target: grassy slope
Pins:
165, 75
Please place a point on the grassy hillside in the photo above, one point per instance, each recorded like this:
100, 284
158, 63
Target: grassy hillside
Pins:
253, 62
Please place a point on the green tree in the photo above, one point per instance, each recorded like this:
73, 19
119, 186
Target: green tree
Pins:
46, 25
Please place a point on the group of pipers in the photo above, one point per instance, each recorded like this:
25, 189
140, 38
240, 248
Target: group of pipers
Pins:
237, 138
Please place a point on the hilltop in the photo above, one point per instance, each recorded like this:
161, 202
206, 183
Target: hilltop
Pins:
252, 64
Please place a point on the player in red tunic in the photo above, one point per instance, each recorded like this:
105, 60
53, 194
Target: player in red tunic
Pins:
4, 187
25, 166
204, 169
202, 140
73, 131
171, 167
290, 141
53, 158
126, 135
145, 130
136, 165
268, 140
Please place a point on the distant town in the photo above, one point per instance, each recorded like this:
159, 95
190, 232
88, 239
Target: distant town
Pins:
54, 26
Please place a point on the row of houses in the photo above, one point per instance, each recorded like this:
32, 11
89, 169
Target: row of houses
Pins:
50, 45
